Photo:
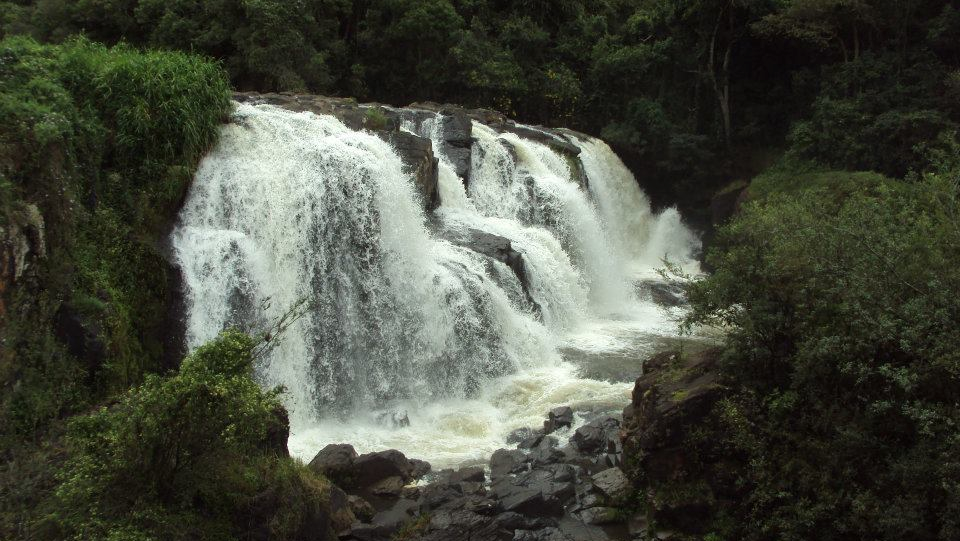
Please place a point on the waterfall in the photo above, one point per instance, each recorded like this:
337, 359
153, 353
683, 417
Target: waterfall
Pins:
402, 312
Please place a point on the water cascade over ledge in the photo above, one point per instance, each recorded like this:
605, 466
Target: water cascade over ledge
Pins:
466, 320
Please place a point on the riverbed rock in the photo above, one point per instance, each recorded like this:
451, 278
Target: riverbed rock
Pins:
469, 474
611, 483
418, 160
371, 468
558, 418
336, 462
600, 435
522, 434
667, 294
505, 461
498, 248
420, 468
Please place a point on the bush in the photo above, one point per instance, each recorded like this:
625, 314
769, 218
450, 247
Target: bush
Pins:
188, 457
843, 358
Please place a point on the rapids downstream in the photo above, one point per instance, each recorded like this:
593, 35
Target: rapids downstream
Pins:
408, 321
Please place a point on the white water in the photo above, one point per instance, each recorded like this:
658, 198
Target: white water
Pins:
294, 205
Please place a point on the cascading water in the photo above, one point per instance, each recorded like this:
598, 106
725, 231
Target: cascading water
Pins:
293, 206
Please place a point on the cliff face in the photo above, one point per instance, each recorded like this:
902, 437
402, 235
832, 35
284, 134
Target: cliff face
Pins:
672, 448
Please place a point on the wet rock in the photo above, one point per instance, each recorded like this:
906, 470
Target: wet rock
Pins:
373, 467
498, 248
462, 475
598, 436
663, 293
521, 434
457, 132
473, 488
677, 394
534, 493
420, 468
341, 511
612, 483
526, 501
558, 418
504, 462
174, 321
562, 472
530, 442
336, 462
435, 496
545, 454
418, 160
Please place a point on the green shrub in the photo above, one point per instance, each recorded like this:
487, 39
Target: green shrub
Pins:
186, 457
843, 359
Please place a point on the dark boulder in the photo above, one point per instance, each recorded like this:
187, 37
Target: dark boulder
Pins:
498, 248
371, 468
504, 462
663, 293
612, 483
420, 468
418, 160
522, 434
336, 462
600, 435
558, 418
388, 487
457, 132
470, 474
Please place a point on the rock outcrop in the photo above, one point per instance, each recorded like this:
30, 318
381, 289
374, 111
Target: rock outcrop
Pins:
498, 248
670, 435
22, 246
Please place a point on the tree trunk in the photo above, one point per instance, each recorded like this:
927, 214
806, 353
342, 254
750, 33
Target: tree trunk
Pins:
721, 80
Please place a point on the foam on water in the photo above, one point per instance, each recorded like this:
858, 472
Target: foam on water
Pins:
295, 205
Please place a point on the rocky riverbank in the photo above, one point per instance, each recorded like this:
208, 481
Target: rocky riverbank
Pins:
570, 479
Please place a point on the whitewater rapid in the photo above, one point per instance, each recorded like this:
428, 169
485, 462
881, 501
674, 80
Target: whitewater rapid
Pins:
405, 325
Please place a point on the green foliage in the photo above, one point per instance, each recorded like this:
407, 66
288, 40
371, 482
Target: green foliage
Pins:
843, 357
102, 141
881, 112
185, 457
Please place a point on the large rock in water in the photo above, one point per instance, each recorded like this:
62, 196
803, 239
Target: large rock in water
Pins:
496, 247
418, 160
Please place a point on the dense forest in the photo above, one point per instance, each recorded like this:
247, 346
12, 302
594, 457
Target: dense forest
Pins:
834, 124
